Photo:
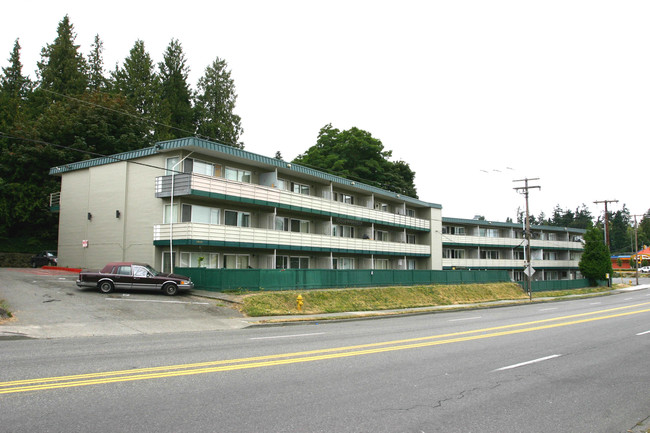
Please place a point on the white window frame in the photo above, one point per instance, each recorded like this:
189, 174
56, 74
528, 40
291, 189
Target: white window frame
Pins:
239, 261
238, 174
343, 231
166, 215
214, 214
190, 258
240, 218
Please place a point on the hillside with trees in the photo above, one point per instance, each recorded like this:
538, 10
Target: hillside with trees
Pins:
74, 110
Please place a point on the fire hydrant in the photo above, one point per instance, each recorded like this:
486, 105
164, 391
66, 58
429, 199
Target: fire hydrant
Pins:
299, 303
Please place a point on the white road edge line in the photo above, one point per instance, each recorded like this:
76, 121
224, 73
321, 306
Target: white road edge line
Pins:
465, 318
160, 302
643, 333
286, 336
548, 309
546, 358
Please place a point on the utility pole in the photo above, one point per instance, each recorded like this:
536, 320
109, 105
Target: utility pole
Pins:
606, 219
529, 269
636, 247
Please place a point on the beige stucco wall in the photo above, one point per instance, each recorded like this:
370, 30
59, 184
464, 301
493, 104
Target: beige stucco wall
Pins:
101, 191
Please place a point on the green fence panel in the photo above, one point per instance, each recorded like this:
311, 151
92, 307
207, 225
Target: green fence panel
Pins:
305, 279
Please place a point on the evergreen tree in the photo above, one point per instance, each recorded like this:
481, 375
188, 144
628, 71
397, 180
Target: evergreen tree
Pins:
644, 229
215, 103
62, 69
96, 78
136, 80
595, 262
14, 89
175, 95
620, 231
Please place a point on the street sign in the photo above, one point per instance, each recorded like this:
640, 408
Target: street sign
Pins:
529, 271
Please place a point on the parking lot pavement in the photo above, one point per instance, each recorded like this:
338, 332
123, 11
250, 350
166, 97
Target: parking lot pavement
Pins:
48, 304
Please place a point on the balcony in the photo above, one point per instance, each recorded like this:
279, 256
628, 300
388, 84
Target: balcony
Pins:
509, 263
501, 242
220, 188
246, 237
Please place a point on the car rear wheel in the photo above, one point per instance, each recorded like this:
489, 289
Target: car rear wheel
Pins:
106, 287
170, 289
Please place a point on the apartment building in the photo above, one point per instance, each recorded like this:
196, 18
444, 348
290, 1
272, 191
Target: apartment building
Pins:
477, 244
198, 203
201, 203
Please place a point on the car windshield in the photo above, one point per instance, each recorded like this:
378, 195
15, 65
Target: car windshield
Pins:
151, 270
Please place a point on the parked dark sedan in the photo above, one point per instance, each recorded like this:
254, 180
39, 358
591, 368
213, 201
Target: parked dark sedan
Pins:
44, 258
130, 275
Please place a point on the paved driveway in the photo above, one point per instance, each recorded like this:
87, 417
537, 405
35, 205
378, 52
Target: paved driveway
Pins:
47, 304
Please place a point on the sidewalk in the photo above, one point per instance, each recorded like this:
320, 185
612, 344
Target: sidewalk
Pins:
352, 315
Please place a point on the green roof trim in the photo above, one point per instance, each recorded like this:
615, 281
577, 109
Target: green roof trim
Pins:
225, 244
198, 144
484, 223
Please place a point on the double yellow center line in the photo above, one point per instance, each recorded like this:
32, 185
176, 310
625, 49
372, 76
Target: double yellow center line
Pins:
107, 377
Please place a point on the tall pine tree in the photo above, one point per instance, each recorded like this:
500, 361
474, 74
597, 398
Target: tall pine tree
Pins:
175, 95
62, 68
215, 104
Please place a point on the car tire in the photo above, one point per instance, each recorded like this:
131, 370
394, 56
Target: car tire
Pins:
106, 287
170, 289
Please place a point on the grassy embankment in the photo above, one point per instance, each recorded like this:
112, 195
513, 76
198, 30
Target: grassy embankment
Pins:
387, 298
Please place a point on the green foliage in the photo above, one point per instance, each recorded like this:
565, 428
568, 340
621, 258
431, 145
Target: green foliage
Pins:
215, 103
355, 154
595, 262
96, 79
62, 69
175, 95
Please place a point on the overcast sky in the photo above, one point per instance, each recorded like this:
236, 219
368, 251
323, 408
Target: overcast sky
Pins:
471, 94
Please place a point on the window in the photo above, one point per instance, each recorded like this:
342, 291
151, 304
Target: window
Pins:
167, 217
238, 175
518, 255
199, 260
343, 198
239, 219
410, 212
343, 263
381, 263
410, 264
200, 214
518, 276
293, 225
381, 235
170, 165
235, 261
410, 239
124, 270
451, 230
300, 188
343, 231
551, 255
449, 253
286, 262
489, 233
381, 206
191, 165
490, 254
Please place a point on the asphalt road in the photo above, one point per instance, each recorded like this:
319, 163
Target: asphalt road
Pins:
571, 366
